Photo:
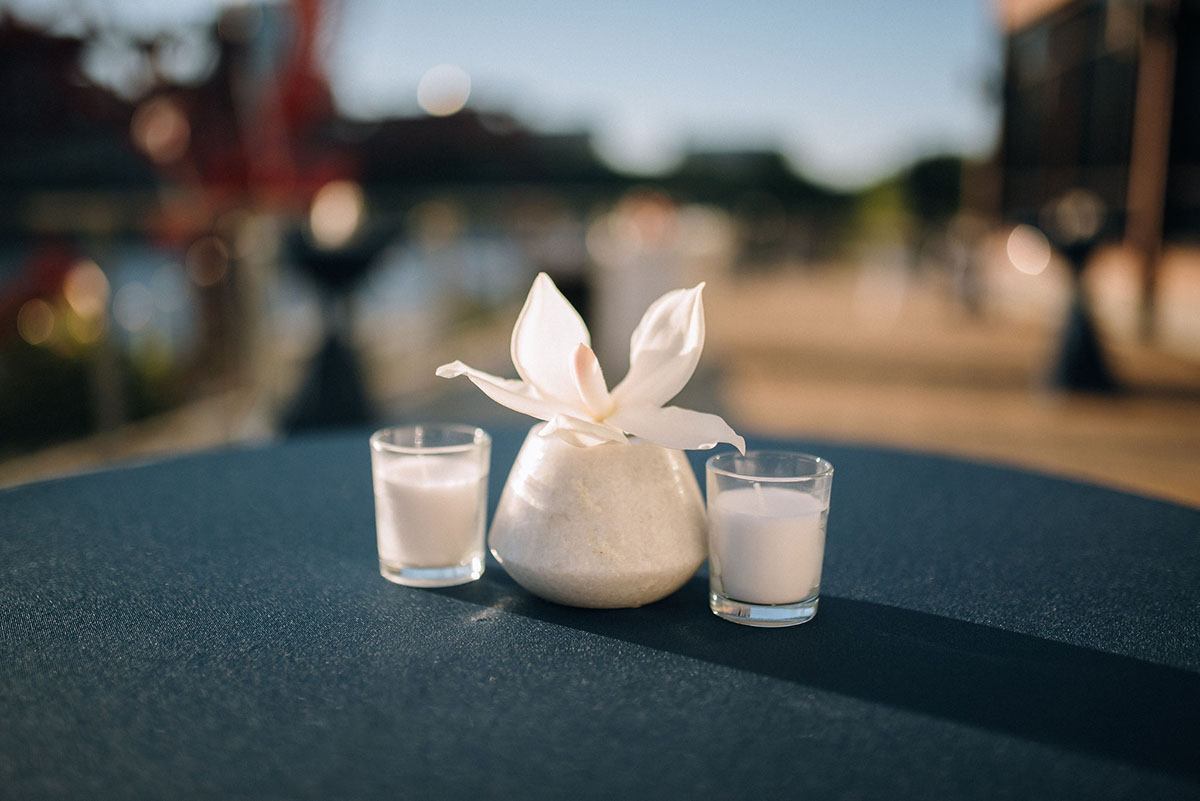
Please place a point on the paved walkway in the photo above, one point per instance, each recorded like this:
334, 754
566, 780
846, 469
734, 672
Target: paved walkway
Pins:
820, 356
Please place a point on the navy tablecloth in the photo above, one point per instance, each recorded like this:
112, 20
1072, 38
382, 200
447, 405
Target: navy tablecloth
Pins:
216, 627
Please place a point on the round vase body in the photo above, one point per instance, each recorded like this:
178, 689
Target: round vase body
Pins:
613, 525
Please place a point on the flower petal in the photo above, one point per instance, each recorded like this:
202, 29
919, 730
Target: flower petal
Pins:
673, 427
664, 349
516, 395
589, 382
581, 433
544, 340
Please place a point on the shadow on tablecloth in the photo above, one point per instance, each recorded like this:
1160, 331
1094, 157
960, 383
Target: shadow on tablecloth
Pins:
1063, 695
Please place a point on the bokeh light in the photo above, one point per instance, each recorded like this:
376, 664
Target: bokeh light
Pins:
160, 129
86, 330
133, 306
207, 261
336, 213
35, 321
1028, 249
86, 289
443, 90
1078, 215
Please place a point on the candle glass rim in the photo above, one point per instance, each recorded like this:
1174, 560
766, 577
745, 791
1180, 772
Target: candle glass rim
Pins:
477, 438
822, 467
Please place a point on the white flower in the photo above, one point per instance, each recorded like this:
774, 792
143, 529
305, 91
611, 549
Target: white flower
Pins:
560, 379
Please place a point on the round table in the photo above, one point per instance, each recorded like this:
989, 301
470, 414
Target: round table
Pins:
216, 626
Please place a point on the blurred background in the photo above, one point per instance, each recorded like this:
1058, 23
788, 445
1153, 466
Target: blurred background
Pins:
968, 227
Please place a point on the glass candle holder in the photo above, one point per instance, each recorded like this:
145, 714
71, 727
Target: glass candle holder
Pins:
767, 513
430, 502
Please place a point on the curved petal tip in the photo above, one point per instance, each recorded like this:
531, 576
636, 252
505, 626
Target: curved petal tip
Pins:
673, 427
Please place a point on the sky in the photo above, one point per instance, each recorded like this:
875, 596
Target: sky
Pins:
848, 90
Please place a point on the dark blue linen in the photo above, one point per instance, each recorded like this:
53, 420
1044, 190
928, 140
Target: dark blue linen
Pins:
216, 626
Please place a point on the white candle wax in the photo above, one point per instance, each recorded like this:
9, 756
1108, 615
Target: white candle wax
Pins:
766, 544
429, 512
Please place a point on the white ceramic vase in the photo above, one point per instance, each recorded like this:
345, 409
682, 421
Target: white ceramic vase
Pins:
613, 525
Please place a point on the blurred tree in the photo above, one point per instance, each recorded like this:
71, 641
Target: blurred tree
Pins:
933, 188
